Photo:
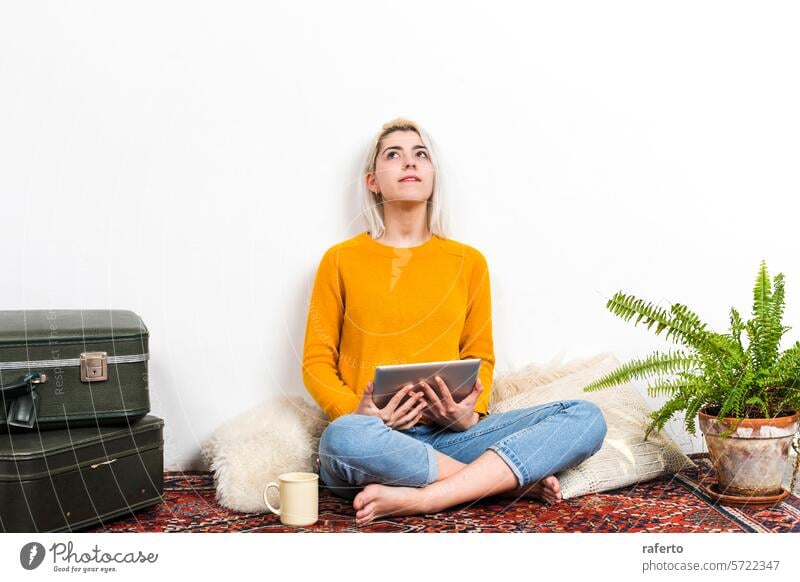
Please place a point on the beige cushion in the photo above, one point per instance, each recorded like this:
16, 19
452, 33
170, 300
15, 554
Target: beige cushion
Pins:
625, 457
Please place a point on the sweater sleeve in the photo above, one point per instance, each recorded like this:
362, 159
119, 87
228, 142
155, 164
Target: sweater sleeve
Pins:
476, 338
321, 346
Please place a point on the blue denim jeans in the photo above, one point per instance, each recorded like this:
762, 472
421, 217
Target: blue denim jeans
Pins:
356, 449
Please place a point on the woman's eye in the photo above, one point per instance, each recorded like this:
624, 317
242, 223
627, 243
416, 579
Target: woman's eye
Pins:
390, 154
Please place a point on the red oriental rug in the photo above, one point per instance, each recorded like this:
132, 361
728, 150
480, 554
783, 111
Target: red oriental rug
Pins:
673, 503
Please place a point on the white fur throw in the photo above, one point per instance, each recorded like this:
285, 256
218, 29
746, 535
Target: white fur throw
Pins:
282, 435
278, 436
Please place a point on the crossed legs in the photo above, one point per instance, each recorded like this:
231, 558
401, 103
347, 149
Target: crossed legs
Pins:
457, 483
513, 454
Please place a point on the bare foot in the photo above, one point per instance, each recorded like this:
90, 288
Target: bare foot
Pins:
550, 489
547, 489
377, 500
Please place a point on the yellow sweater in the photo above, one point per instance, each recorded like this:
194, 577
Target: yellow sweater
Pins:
374, 305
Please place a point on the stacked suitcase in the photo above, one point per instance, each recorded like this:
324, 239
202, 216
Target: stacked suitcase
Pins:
77, 445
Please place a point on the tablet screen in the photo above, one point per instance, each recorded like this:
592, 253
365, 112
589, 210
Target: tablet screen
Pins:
459, 376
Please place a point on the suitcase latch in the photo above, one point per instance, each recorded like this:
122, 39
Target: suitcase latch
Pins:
94, 366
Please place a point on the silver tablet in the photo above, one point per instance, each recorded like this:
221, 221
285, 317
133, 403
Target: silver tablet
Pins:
459, 375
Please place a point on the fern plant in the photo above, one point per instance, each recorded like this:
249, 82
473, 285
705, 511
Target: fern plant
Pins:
715, 370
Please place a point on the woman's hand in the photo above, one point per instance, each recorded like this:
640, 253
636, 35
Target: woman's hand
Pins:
397, 417
443, 410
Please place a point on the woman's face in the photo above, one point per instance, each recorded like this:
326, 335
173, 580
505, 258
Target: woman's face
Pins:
402, 154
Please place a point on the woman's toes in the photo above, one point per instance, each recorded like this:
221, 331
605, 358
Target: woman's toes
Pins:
364, 497
361, 521
369, 508
550, 482
552, 487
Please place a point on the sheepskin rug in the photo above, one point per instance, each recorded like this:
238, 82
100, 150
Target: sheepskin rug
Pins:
279, 436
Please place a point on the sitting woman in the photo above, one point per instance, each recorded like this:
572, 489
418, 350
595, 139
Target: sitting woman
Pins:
403, 292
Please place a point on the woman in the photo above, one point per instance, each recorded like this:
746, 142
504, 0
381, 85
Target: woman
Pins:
399, 293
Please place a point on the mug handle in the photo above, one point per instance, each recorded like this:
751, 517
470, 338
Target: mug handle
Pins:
266, 499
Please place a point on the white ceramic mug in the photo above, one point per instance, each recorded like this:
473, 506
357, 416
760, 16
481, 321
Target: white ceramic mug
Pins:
298, 498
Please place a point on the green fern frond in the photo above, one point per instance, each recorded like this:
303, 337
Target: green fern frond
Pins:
697, 402
773, 329
761, 294
667, 363
724, 351
787, 367
733, 403
755, 347
682, 326
663, 414
758, 400
791, 400
785, 375
666, 387
688, 317
715, 346
761, 329
737, 326
626, 306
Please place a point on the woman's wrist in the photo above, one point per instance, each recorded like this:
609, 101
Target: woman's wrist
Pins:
472, 421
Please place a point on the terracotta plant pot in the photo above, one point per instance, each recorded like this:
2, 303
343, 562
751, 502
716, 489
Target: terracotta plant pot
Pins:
750, 461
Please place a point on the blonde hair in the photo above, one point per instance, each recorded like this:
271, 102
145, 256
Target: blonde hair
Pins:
372, 203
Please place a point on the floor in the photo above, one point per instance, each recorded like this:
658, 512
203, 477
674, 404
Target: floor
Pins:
668, 504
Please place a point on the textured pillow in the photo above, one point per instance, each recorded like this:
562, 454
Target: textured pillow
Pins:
625, 457
278, 436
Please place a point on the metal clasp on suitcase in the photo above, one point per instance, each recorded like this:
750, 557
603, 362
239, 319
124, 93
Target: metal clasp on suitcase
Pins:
94, 366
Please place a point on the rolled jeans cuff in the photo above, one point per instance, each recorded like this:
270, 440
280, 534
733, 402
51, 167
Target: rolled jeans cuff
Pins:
513, 461
433, 465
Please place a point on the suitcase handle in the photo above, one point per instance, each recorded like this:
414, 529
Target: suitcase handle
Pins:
23, 386
25, 400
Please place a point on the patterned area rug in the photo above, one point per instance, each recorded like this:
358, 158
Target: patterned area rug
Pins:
669, 504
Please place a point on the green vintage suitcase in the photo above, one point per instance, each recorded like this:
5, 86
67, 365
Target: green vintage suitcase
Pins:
71, 479
75, 368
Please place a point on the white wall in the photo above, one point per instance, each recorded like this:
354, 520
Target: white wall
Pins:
192, 161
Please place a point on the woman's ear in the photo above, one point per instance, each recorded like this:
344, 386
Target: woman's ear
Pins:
372, 184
